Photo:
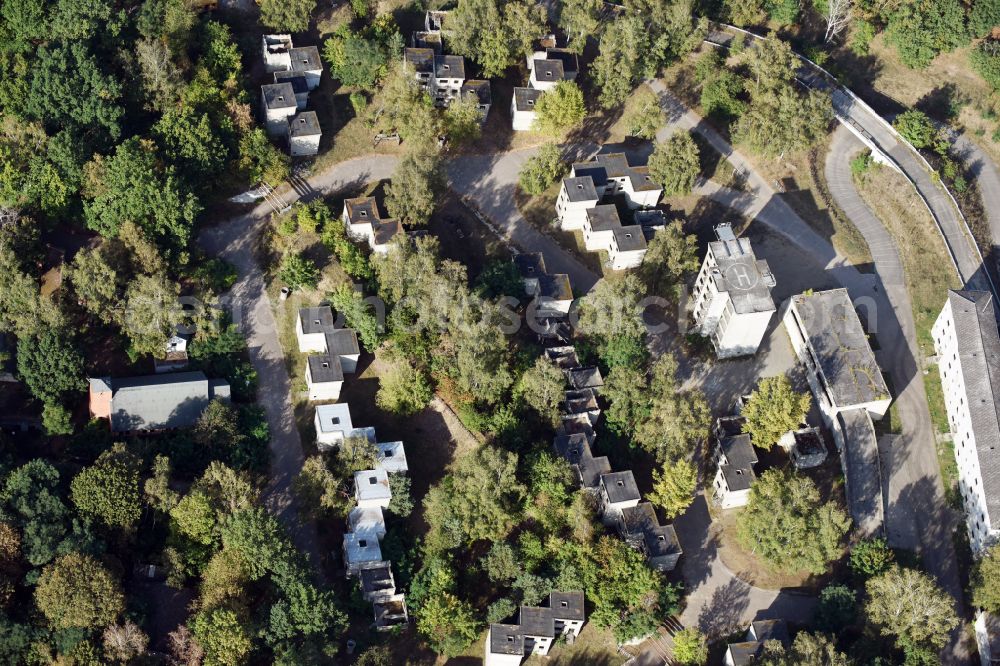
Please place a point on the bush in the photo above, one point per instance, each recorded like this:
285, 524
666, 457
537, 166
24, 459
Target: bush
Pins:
359, 102
861, 165
985, 59
861, 37
297, 271
560, 109
915, 127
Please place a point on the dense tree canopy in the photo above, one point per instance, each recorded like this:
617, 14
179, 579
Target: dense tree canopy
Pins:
985, 581
773, 409
77, 591
675, 164
909, 605
560, 109
108, 490
787, 526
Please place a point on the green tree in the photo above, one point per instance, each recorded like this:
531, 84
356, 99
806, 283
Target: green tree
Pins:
623, 60
478, 31
109, 489
151, 314
916, 128
983, 17
156, 488
95, 282
543, 387
261, 161
501, 564
77, 591
580, 20
416, 184
67, 87
375, 656
448, 623
773, 409
297, 271
319, 490
401, 503
260, 539
783, 12
481, 499
670, 258
287, 15
190, 143
786, 525
560, 109
909, 605
690, 648
56, 419
807, 650
500, 610
133, 186
871, 557
837, 608
745, 12
645, 117
675, 164
779, 117
720, 95
673, 487
358, 314
404, 389
30, 498
50, 364
540, 171
223, 637
674, 418
522, 21
354, 59
462, 120
919, 31
984, 581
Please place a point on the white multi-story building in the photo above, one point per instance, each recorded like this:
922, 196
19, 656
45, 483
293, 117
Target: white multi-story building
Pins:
612, 176
278, 103
536, 630
442, 76
617, 492
734, 458
479, 91
849, 390
275, 50
568, 61
968, 349
364, 223
576, 196
522, 109
305, 61
732, 295
304, 134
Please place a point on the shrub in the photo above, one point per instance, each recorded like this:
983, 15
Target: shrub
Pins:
861, 165
985, 59
915, 127
540, 171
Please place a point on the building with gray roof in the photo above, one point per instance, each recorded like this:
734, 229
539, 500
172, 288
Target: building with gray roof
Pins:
734, 458
278, 104
154, 402
306, 61
968, 349
545, 73
522, 108
862, 472
751, 648
536, 630
575, 449
732, 295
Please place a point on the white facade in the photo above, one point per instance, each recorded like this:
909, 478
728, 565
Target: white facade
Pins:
522, 109
627, 248
313, 342
371, 488
732, 297
968, 349
278, 104
303, 146
333, 424
322, 388
987, 628
364, 223
576, 195
275, 50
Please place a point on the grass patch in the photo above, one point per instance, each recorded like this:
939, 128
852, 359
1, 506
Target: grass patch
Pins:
935, 401
949, 472
927, 266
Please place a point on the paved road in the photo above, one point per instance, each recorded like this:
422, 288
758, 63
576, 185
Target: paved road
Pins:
984, 170
852, 111
918, 517
490, 182
234, 241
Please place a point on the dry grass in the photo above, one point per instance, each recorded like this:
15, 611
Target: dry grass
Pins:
926, 263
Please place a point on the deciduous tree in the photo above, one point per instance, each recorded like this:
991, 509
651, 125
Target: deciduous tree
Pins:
773, 409
690, 647
985, 581
674, 485
670, 258
109, 489
580, 20
287, 15
786, 525
543, 387
919, 31
807, 650
542, 170
77, 591
623, 60
125, 642
50, 364
560, 109
837, 608
871, 557
404, 388
675, 164
416, 183
909, 605
223, 636
646, 116
297, 271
